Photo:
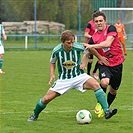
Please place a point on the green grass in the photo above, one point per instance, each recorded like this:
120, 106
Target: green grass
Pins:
26, 81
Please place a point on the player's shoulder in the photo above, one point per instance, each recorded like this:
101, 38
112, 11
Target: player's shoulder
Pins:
115, 25
78, 45
111, 28
91, 22
122, 25
1, 25
57, 48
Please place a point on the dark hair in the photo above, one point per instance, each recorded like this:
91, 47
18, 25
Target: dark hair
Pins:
67, 35
99, 13
94, 11
0, 21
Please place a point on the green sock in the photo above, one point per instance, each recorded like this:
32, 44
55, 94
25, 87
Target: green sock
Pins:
39, 107
101, 98
1, 62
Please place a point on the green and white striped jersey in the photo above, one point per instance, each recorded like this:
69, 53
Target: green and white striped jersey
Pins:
1, 33
68, 62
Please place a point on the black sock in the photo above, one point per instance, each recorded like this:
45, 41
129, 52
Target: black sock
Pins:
96, 67
89, 68
104, 89
110, 98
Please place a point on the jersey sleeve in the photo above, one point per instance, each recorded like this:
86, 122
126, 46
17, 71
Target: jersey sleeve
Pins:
2, 30
112, 31
122, 27
53, 58
91, 41
88, 28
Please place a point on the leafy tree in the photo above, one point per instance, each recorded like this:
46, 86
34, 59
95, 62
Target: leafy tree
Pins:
62, 11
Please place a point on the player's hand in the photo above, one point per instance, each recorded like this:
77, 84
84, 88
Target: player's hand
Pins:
87, 46
82, 66
125, 37
104, 61
51, 79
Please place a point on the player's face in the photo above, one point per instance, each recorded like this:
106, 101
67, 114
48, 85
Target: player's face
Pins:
100, 23
118, 21
68, 44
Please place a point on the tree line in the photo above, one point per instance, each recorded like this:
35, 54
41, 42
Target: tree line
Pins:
62, 11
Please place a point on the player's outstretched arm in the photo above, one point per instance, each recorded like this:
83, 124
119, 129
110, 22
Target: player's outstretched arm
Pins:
4, 37
52, 76
84, 61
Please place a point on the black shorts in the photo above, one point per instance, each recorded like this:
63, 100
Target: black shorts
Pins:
113, 73
91, 56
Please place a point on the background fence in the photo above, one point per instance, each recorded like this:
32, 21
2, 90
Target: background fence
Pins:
68, 14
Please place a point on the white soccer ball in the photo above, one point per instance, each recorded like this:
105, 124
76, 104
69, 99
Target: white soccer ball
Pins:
83, 117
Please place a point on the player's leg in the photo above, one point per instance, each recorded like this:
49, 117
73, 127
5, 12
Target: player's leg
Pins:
99, 93
1, 58
42, 103
111, 95
105, 75
95, 70
122, 40
124, 49
59, 87
89, 65
104, 81
114, 83
84, 82
96, 67
1, 63
100, 96
50, 95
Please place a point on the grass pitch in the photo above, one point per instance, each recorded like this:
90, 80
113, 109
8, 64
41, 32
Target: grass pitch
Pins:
26, 81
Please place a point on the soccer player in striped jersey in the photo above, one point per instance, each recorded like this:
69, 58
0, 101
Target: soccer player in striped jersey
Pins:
105, 42
70, 75
4, 37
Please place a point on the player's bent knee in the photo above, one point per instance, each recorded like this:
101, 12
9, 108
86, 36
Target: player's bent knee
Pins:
1, 56
104, 83
91, 84
96, 86
46, 99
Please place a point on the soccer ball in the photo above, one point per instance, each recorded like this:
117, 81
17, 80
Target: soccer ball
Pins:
83, 117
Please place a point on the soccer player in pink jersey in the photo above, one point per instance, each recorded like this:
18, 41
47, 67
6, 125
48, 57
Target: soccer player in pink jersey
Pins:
89, 31
105, 43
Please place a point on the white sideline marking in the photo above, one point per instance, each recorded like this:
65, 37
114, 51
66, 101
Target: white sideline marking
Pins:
56, 111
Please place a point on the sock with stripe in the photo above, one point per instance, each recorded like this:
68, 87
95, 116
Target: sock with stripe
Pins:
1, 62
39, 107
101, 98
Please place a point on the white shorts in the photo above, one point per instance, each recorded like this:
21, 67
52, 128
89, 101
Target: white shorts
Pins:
1, 49
63, 86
